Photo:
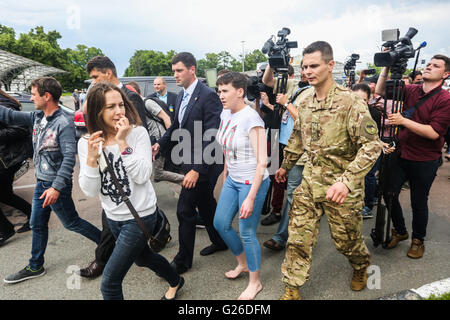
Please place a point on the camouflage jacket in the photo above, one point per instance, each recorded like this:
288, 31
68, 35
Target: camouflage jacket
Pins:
339, 138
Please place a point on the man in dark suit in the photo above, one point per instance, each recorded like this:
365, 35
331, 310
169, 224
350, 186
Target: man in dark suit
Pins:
169, 98
100, 69
197, 109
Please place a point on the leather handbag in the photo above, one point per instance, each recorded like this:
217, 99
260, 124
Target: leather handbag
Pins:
161, 232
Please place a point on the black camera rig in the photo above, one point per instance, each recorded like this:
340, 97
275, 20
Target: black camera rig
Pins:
349, 68
396, 59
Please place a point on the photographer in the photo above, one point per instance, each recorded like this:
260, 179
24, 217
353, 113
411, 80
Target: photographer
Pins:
278, 189
421, 138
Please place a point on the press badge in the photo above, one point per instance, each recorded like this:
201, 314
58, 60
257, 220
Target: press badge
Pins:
285, 117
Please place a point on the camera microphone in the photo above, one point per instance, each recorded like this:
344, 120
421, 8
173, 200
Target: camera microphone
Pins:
422, 45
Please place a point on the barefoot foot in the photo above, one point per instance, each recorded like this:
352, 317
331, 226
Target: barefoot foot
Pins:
233, 274
252, 290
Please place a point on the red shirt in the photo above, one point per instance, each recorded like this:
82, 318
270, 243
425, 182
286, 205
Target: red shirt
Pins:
434, 112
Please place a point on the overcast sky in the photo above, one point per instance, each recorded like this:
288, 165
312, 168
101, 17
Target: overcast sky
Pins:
119, 28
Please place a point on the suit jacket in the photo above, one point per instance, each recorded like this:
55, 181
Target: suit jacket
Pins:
137, 102
205, 106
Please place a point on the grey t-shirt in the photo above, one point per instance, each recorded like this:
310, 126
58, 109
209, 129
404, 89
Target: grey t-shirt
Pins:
154, 127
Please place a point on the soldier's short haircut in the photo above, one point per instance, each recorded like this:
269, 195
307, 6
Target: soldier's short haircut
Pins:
237, 80
323, 47
48, 84
446, 60
186, 58
102, 64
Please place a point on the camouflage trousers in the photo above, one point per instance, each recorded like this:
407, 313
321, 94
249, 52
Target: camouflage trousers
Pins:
345, 223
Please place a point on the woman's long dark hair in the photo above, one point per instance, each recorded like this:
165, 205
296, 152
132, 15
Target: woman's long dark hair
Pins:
13, 102
96, 103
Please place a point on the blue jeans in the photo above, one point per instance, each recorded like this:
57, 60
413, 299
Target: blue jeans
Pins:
370, 187
294, 180
65, 210
231, 198
131, 246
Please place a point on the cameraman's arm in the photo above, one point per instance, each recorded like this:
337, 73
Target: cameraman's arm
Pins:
268, 78
265, 101
380, 89
282, 99
362, 75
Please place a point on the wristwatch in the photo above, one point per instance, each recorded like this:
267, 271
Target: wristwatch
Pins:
128, 150
286, 104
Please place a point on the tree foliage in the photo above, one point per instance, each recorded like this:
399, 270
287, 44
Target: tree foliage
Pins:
156, 63
150, 63
43, 47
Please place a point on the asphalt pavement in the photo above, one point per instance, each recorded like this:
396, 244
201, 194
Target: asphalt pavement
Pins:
392, 271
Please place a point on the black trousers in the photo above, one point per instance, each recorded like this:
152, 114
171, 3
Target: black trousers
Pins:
201, 197
420, 175
8, 197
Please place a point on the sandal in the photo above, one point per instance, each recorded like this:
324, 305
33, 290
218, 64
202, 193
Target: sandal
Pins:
273, 245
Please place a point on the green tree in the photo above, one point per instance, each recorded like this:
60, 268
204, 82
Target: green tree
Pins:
150, 63
43, 47
253, 58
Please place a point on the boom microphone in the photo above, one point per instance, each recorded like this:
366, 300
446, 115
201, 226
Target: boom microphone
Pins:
422, 45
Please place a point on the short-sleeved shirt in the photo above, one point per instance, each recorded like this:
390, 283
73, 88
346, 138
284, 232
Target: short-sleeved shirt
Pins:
434, 112
233, 136
154, 126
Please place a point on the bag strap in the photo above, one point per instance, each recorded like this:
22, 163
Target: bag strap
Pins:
126, 199
423, 99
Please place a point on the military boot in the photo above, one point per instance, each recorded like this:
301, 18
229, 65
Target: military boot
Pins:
396, 238
359, 279
291, 294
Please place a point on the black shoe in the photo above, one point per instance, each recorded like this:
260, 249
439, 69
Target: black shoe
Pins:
211, 249
178, 268
6, 236
92, 271
180, 285
24, 228
271, 219
24, 274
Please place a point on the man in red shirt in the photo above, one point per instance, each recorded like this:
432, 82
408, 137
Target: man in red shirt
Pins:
421, 139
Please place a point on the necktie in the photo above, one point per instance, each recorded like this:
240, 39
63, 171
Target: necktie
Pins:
183, 106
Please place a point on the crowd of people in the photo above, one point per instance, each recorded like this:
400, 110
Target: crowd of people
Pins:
329, 150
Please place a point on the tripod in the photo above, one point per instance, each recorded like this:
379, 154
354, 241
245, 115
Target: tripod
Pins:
386, 179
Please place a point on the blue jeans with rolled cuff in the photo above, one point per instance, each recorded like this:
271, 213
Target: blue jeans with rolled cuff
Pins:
231, 198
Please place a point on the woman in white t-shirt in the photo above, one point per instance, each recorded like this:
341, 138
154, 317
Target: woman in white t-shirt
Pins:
127, 146
242, 137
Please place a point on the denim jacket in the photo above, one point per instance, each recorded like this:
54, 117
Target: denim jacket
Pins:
54, 145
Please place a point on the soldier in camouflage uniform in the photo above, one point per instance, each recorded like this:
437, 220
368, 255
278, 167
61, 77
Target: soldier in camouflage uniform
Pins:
340, 140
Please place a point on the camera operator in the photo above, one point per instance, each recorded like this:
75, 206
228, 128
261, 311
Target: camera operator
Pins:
419, 152
279, 239
278, 188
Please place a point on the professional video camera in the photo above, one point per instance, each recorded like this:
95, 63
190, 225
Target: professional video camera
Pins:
279, 52
400, 51
255, 86
349, 68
